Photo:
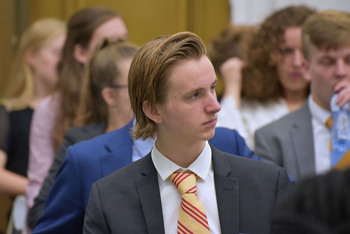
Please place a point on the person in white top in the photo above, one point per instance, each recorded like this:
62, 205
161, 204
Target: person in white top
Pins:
267, 83
299, 142
172, 92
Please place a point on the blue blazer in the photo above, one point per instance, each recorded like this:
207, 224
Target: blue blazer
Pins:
89, 161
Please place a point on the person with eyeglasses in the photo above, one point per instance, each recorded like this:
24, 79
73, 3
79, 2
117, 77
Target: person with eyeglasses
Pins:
57, 112
104, 105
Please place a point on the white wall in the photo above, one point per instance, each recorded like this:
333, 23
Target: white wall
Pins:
255, 11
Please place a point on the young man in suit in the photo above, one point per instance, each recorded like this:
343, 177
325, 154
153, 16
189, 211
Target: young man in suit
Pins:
90, 160
172, 92
300, 141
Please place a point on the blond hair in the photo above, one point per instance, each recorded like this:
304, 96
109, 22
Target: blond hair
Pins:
326, 30
21, 88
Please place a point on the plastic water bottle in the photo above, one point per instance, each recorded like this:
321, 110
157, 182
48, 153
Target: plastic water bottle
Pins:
340, 132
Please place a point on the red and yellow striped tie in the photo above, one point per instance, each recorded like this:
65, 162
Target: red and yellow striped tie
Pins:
192, 217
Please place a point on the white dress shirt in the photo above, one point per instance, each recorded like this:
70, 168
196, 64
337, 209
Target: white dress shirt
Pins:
322, 136
171, 198
252, 116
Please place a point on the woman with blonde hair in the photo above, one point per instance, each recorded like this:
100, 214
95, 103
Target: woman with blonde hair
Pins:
104, 106
33, 78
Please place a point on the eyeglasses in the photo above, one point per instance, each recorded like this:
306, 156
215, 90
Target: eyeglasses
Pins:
116, 86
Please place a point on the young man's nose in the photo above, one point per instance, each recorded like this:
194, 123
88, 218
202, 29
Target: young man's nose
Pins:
213, 106
340, 69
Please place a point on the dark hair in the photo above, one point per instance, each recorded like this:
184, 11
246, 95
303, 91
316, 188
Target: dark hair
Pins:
260, 77
322, 200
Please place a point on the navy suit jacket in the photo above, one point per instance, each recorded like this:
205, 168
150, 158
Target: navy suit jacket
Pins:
90, 160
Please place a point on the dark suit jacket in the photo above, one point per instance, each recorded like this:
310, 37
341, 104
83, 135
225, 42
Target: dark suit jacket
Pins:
128, 201
91, 160
289, 143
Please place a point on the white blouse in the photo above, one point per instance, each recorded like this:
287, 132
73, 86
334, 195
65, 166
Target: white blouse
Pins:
252, 116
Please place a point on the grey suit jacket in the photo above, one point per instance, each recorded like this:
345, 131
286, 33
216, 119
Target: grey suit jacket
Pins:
128, 200
72, 136
289, 143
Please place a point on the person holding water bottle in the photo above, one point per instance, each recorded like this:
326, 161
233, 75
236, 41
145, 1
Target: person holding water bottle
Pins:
300, 141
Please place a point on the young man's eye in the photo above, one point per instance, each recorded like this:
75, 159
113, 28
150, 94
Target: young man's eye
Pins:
195, 95
327, 61
213, 88
347, 60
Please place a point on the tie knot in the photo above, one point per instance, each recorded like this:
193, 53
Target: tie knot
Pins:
329, 123
185, 182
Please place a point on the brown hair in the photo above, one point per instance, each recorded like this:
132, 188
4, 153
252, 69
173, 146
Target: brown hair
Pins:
260, 77
102, 71
81, 27
233, 41
149, 73
326, 30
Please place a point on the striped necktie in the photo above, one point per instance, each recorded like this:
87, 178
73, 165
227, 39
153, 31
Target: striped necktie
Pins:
192, 217
339, 160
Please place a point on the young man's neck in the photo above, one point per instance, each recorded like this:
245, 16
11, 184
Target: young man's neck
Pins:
295, 100
182, 153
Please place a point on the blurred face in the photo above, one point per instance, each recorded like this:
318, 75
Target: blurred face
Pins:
189, 113
120, 90
289, 61
44, 61
325, 70
113, 28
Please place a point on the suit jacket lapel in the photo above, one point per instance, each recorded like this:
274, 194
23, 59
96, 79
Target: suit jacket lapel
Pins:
227, 194
302, 140
118, 150
148, 190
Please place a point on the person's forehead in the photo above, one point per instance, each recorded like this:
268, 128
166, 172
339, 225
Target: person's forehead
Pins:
191, 72
114, 27
292, 35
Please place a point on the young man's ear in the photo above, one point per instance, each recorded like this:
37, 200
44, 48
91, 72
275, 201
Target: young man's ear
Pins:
151, 113
305, 70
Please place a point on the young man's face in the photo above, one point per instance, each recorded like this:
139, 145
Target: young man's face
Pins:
325, 69
190, 111
290, 61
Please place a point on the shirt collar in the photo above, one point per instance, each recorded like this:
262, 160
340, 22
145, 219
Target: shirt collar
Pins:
165, 167
320, 114
142, 147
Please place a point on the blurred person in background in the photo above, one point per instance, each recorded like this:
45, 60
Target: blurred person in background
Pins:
55, 114
104, 106
33, 78
271, 80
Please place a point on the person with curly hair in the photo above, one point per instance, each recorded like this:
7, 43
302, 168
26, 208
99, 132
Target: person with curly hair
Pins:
269, 84
300, 141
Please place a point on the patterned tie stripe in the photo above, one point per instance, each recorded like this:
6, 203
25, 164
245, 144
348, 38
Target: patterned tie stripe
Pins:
192, 217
